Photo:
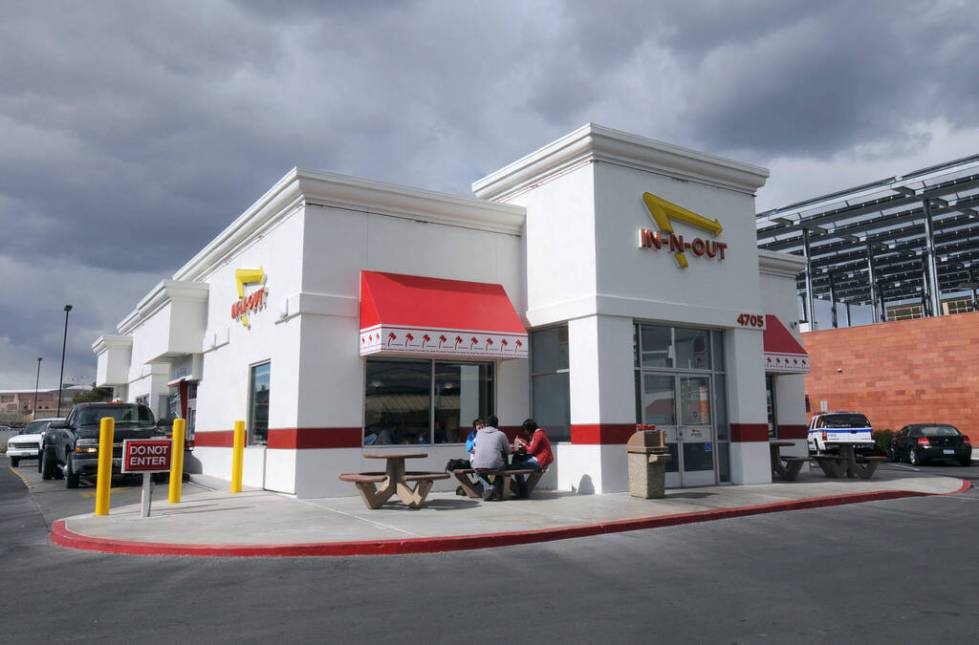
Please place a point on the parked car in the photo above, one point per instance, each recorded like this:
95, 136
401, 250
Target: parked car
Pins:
71, 447
830, 430
920, 443
26, 444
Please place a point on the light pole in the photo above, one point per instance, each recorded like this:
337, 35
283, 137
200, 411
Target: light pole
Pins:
64, 344
36, 381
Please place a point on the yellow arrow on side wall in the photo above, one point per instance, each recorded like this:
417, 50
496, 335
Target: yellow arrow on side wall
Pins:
243, 277
662, 212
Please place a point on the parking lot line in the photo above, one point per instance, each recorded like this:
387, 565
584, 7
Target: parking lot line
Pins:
22, 478
115, 489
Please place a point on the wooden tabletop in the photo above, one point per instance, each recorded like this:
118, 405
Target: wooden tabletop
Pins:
395, 455
781, 444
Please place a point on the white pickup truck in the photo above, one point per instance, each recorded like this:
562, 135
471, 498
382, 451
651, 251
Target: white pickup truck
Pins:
830, 430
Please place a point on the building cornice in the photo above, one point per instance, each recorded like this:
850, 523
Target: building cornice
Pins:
592, 142
783, 265
164, 292
300, 186
328, 189
107, 342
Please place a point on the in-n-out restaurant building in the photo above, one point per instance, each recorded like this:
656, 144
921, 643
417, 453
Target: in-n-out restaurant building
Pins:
602, 280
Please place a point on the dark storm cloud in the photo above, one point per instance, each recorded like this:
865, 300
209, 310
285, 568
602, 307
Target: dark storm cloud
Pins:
131, 133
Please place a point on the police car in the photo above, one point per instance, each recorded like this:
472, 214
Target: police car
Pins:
830, 430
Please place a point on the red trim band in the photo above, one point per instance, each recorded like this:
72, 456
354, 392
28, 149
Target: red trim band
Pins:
314, 438
219, 439
749, 432
601, 433
289, 438
793, 432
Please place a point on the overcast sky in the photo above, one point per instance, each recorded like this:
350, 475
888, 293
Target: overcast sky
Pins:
131, 133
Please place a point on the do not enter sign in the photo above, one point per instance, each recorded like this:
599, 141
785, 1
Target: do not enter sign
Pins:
145, 455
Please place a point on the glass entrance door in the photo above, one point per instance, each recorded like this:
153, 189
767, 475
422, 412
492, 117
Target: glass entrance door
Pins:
696, 431
680, 406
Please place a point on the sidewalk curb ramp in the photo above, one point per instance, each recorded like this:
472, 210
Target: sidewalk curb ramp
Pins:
65, 537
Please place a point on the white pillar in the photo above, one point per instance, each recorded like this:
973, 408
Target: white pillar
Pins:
790, 412
747, 407
603, 405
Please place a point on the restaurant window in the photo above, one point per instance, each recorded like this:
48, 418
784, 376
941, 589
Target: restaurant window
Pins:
550, 384
258, 403
424, 402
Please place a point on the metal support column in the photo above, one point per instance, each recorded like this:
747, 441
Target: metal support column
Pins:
872, 277
926, 308
934, 291
832, 299
810, 314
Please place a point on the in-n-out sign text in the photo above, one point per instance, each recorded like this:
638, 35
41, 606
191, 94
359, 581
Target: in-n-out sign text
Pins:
649, 239
664, 213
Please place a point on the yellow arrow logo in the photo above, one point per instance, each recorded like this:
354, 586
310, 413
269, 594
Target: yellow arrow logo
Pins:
662, 212
243, 277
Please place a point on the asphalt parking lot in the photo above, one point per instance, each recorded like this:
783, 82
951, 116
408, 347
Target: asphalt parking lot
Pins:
55, 501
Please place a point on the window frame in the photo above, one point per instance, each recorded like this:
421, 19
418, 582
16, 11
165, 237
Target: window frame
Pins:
431, 393
563, 370
250, 428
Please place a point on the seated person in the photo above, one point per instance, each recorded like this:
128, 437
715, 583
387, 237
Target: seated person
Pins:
491, 452
535, 453
459, 464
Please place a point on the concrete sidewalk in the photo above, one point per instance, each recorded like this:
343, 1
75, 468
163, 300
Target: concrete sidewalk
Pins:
215, 522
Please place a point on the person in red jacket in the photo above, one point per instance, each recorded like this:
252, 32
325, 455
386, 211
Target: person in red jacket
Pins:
533, 451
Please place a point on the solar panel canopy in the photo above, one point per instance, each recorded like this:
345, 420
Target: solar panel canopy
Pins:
910, 238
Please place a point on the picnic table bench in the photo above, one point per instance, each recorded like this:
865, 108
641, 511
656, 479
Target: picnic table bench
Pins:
783, 467
462, 475
846, 464
411, 487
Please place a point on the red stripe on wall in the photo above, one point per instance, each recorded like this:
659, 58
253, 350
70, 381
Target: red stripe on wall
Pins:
219, 439
601, 433
511, 432
793, 432
749, 432
313, 438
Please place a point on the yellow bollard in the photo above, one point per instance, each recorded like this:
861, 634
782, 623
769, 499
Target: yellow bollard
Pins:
103, 485
238, 457
177, 461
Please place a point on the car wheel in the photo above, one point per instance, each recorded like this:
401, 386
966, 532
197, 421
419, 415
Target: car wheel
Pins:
914, 458
965, 461
71, 477
14, 461
47, 464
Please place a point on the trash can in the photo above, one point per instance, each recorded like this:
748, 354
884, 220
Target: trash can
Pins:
648, 457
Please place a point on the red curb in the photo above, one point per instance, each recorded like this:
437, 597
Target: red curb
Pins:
63, 536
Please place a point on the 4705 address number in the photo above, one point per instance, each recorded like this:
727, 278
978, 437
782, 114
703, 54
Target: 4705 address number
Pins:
751, 320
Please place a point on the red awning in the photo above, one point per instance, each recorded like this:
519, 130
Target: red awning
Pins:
402, 314
783, 353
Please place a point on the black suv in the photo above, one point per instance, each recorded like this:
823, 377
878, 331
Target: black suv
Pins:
71, 448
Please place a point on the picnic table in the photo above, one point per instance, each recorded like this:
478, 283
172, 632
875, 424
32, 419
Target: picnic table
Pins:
471, 490
784, 468
411, 487
846, 464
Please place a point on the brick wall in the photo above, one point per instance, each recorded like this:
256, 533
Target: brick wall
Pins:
908, 371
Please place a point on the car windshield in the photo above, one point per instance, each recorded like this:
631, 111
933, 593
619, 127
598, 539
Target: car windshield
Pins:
35, 427
123, 414
845, 421
940, 431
